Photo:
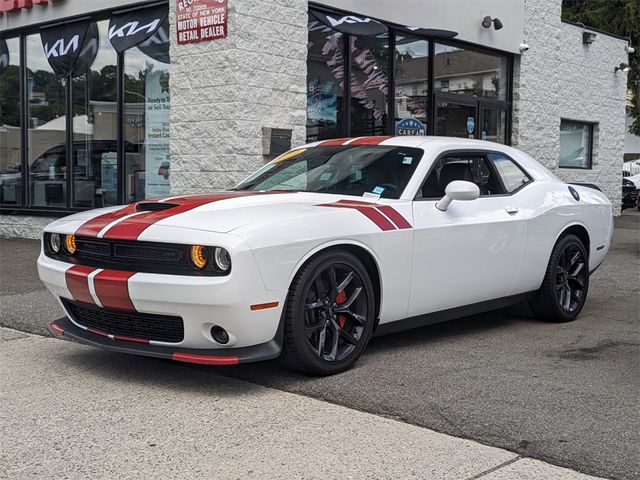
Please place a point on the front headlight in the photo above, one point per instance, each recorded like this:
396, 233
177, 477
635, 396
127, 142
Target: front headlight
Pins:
55, 243
70, 244
198, 255
222, 259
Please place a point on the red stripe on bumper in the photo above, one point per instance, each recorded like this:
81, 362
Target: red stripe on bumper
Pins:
204, 359
130, 339
394, 216
113, 290
56, 328
97, 332
77, 281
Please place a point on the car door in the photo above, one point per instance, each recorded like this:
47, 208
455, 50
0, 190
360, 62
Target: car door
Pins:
471, 252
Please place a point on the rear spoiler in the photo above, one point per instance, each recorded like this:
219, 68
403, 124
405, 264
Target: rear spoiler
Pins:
588, 185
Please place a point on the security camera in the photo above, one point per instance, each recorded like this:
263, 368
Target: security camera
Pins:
630, 49
524, 47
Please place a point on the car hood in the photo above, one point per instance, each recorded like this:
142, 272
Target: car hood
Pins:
220, 212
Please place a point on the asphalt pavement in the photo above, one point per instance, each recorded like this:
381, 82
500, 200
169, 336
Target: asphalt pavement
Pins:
567, 394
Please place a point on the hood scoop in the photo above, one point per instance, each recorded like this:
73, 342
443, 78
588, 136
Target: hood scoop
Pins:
154, 206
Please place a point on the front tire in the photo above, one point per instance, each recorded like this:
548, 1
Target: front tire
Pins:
566, 282
330, 314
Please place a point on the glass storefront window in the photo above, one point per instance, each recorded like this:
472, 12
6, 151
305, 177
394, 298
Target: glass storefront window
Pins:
411, 86
94, 151
467, 72
494, 125
146, 121
325, 83
576, 139
10, 153
369, 85
47, 124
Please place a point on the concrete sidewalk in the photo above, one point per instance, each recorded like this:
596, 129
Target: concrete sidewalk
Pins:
70, 411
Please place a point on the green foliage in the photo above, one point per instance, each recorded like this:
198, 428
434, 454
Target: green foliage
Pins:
620, 17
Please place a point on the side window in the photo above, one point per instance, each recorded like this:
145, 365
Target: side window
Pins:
513, 177
471, 168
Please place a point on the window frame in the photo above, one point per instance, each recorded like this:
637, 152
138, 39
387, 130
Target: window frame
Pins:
42, 210
479, 153
591, 126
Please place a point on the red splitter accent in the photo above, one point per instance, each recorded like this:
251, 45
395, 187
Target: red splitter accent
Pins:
205, 359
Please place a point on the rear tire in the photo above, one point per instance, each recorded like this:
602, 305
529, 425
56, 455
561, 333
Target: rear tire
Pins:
329, 314
566, 282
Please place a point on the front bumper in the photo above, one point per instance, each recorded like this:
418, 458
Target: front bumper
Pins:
230, 356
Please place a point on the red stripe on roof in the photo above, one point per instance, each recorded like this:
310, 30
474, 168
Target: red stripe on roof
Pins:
112, 289
333, 142
205, 359
394, 216
370, 140
77, 281
376, 217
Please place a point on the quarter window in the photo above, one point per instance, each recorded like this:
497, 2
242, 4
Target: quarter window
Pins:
513, 177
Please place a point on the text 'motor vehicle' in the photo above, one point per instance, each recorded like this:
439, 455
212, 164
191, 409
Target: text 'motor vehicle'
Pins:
324, 247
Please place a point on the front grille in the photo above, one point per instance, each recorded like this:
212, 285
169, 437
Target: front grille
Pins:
154, 206
162, 328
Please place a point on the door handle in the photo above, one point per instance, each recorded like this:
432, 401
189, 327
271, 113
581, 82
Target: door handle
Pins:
511, 210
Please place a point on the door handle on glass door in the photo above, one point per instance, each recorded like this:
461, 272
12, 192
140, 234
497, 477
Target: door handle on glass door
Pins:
511, 210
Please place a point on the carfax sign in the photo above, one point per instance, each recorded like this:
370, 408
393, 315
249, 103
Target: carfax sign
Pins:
201, 20
410, 126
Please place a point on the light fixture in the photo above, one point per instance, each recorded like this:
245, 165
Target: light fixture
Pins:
487, 21
624, 67
588, 37
198, 255
70, 244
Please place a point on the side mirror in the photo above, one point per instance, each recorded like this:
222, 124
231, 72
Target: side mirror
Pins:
458, 190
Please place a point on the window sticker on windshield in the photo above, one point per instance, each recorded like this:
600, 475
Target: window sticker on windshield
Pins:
288, 155
356, 176
326, 176
407, 160
378, 190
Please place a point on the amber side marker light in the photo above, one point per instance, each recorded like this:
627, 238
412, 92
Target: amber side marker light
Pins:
70, 244
264, 306
198, 255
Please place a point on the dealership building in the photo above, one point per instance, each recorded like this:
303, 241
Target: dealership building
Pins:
105, 102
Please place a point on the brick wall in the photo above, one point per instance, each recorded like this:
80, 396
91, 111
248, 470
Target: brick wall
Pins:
223, 93
559, 77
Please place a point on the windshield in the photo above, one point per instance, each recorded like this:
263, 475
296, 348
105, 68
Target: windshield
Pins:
344, 170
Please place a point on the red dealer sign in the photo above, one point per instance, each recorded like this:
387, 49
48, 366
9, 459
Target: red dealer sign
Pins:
11, 5
201, 20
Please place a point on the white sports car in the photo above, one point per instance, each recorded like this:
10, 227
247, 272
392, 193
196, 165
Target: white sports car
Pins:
324, 247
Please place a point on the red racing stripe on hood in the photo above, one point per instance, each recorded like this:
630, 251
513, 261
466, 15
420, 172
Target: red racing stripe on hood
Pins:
77, 279
112, 289
131, 228
92, 227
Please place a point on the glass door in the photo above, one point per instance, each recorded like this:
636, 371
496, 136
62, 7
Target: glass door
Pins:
494, 125
456, 118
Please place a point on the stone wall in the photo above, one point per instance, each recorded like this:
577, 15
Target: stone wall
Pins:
224, 92
19, 226
560, 77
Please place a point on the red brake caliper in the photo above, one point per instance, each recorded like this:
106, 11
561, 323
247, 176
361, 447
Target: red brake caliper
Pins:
340, 299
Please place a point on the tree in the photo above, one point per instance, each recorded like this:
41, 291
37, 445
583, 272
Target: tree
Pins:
620, 17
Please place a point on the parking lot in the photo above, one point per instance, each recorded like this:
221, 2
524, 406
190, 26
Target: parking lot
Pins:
568, 394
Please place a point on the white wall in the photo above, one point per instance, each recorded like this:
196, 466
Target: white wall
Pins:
559, 77
223, 92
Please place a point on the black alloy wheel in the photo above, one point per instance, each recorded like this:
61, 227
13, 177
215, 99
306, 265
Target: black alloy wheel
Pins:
330, 314
566, 283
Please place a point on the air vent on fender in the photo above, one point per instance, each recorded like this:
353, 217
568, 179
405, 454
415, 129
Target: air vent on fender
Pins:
154, 206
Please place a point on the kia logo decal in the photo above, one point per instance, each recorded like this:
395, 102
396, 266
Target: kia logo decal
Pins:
132, 28
347, 19
59, 49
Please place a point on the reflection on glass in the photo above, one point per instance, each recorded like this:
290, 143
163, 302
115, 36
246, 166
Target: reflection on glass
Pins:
47, 125
325, 82
10, 168
95, 126
455, 120
146, 119
575, 144
459, 71
494, 125
412, 88
369, 85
